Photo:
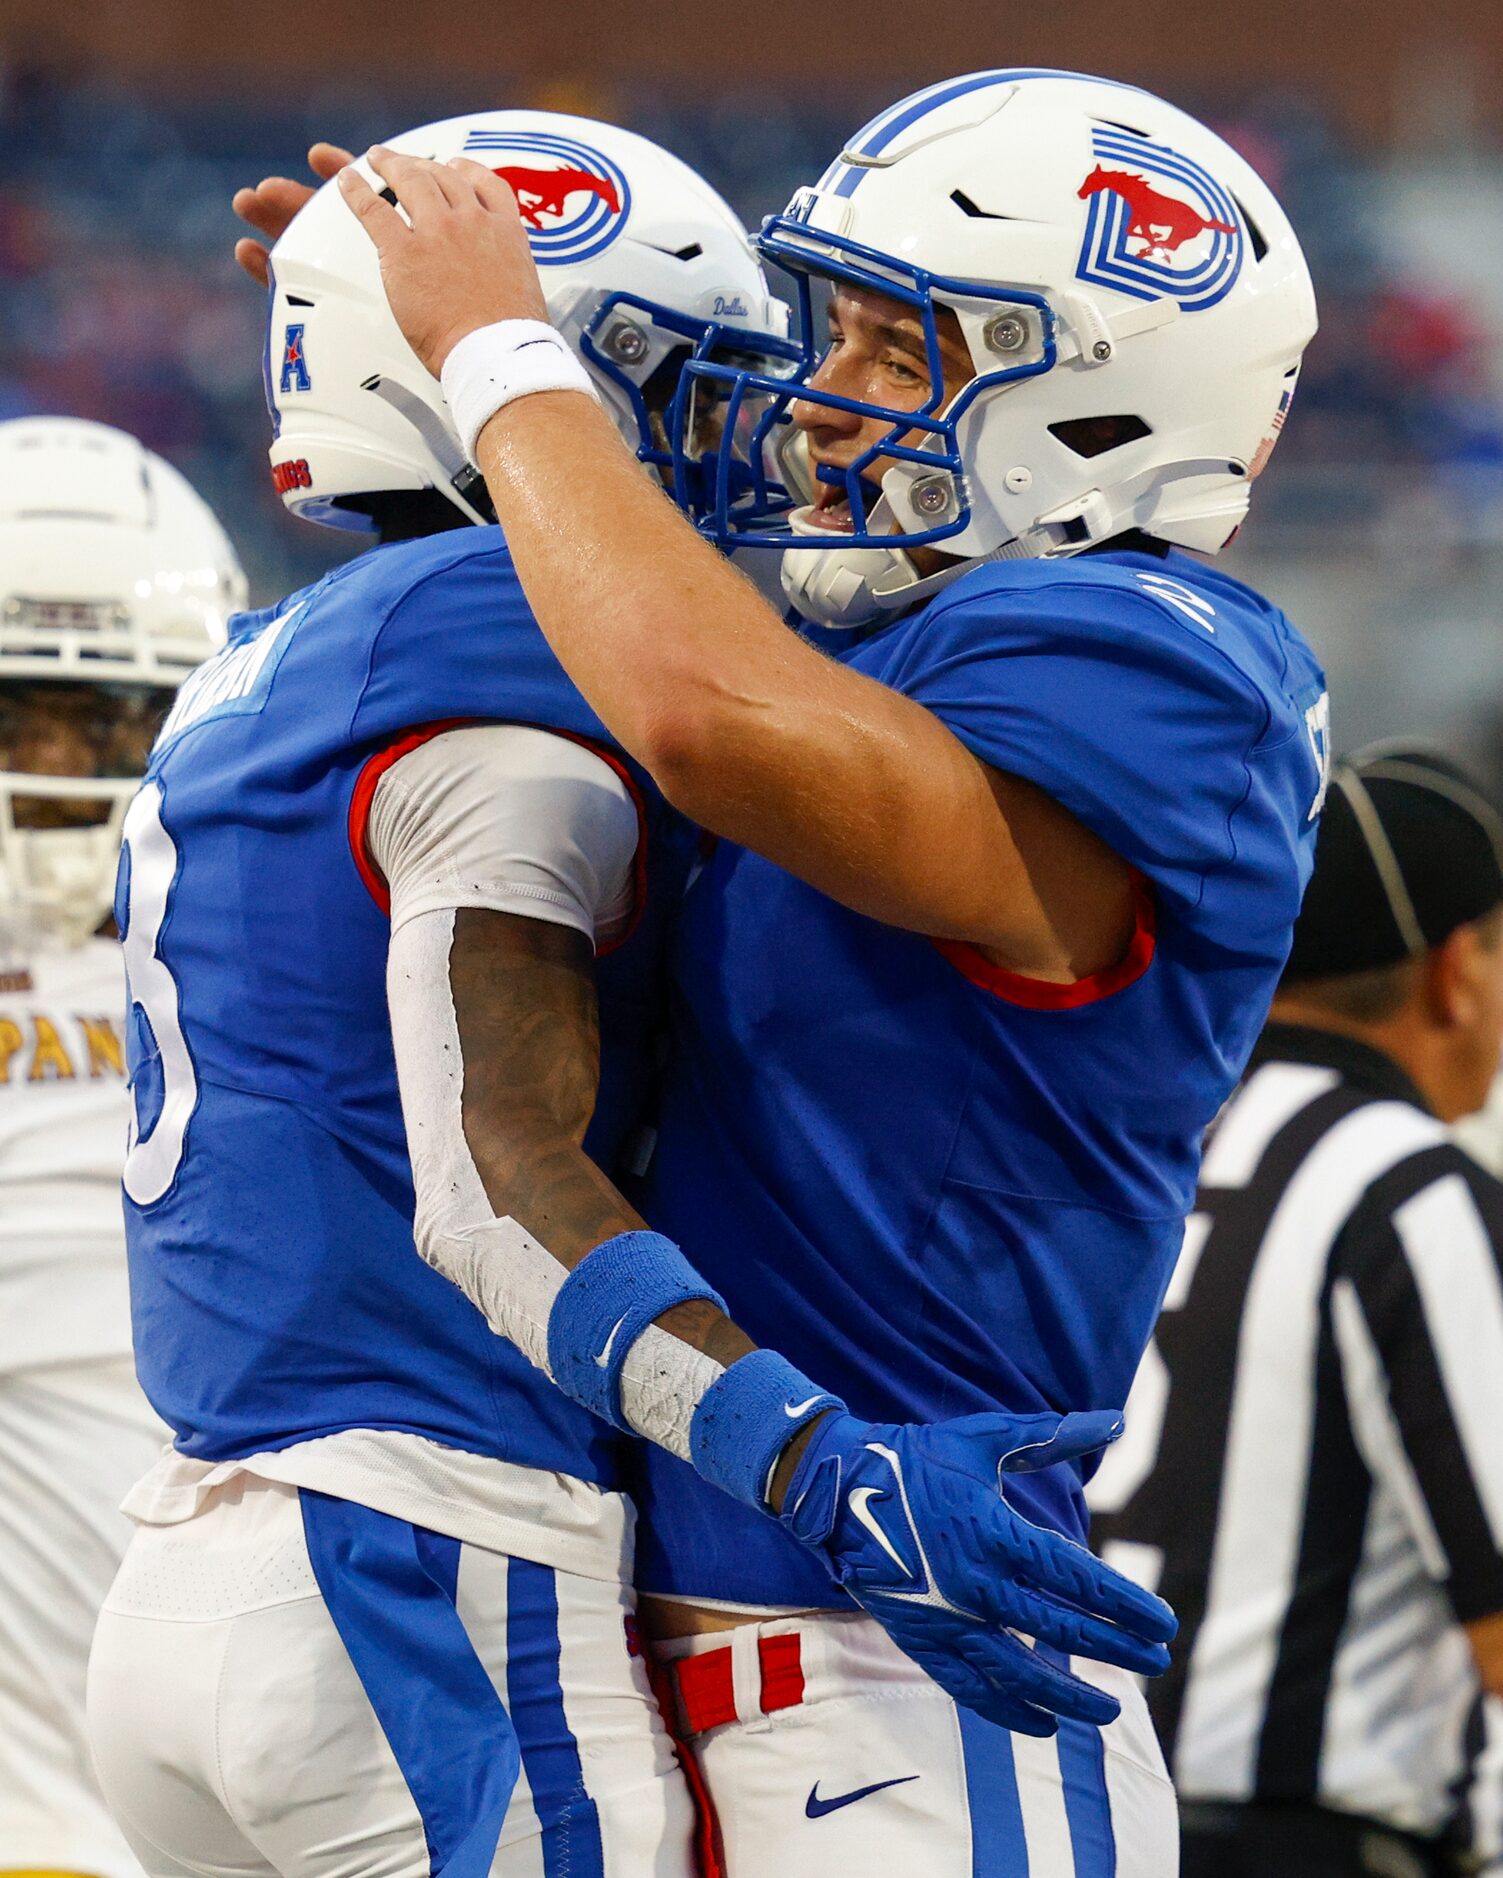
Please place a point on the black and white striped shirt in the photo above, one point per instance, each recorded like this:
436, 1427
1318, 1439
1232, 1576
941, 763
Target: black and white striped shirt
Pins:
1313, 1468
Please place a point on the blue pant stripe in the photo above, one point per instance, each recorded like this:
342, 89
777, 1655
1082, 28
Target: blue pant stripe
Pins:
999, 1847
1082, 1766
389, 1588
570, 1823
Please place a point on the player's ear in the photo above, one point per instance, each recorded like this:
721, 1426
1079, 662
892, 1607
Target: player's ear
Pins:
1454, 976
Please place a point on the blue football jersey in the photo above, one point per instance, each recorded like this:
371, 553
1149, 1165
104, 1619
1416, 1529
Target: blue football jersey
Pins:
938, 1187
276, 1291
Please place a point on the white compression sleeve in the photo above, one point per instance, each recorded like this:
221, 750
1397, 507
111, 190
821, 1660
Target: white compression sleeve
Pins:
500, 1268
662, 1381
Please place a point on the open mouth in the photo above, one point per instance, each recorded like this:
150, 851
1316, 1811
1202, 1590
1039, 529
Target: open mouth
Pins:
831, 508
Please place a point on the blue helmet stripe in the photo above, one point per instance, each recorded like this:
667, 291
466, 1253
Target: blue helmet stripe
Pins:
1104, 259
873, 138
1132, 151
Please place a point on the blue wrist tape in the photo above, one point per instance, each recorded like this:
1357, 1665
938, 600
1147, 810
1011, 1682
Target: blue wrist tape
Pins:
605, 1304
747, 1417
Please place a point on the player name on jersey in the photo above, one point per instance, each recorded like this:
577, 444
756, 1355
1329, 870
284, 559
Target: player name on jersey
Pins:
57, 1046
229, 677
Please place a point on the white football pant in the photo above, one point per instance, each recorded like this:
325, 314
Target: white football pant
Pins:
825, 1752
73, 1438
293, 1684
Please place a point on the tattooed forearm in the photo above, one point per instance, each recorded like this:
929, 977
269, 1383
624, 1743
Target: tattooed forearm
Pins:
700, 1325
524, 998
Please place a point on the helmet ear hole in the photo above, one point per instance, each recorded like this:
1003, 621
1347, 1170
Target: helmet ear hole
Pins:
1094, 436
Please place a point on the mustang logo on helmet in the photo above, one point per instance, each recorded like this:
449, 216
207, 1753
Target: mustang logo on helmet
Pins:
1158, 225
545, 192
1158, 221
573, 199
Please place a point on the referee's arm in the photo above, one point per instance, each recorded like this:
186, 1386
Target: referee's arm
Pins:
1417, 1310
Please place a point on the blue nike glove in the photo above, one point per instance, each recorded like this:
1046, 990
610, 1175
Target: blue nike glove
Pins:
914, 1523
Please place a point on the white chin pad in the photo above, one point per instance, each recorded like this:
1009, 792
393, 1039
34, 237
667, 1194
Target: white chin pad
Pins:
844, 588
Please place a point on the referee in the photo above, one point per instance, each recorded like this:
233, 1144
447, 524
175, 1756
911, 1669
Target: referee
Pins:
1313, 1468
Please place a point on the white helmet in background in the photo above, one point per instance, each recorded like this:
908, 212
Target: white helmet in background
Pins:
1134, 300
116, 580
642, 264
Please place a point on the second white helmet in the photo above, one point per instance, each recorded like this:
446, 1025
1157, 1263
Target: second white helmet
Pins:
643, 265
116, 581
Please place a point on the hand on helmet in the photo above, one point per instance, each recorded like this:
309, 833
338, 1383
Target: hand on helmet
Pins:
271, 205
457, 258
914, 1523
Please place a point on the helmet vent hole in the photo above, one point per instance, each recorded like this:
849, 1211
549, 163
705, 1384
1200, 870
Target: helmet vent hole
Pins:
296, 299
964, 203
1111, 123
1094, 436
1259, 241
691, 253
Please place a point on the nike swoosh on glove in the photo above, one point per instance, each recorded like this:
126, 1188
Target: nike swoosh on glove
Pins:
914, 1522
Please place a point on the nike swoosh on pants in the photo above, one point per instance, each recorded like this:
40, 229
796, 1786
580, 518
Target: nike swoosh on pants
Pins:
816, 1808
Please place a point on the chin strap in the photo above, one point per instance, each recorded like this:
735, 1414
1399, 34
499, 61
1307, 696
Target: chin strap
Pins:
851, 589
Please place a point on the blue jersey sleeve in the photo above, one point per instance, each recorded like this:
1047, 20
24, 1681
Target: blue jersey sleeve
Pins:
1175, 732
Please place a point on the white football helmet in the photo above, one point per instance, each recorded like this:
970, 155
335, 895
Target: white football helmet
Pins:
642, 264
1108, 258
115, 582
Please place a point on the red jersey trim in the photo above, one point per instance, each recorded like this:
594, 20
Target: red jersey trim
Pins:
1037, 994
366, 784
375, 767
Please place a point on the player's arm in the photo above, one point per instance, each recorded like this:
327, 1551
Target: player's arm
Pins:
750, 731
506, 852
514, 1034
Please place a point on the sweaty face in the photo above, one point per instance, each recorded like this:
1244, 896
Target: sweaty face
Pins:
50, 728
876, 355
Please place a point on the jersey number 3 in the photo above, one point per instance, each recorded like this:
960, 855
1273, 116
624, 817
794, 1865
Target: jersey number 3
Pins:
166, 1068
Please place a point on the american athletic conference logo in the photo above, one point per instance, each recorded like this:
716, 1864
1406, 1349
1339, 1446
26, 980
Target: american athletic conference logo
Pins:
574, 200
1157, 225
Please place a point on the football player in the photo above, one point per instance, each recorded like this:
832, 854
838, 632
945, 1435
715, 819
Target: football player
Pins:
1012, 843
381, 1581
117, 581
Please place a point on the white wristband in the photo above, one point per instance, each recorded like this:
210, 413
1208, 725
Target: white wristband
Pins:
495, 364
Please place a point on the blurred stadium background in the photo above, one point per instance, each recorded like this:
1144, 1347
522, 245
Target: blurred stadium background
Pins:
124, 128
